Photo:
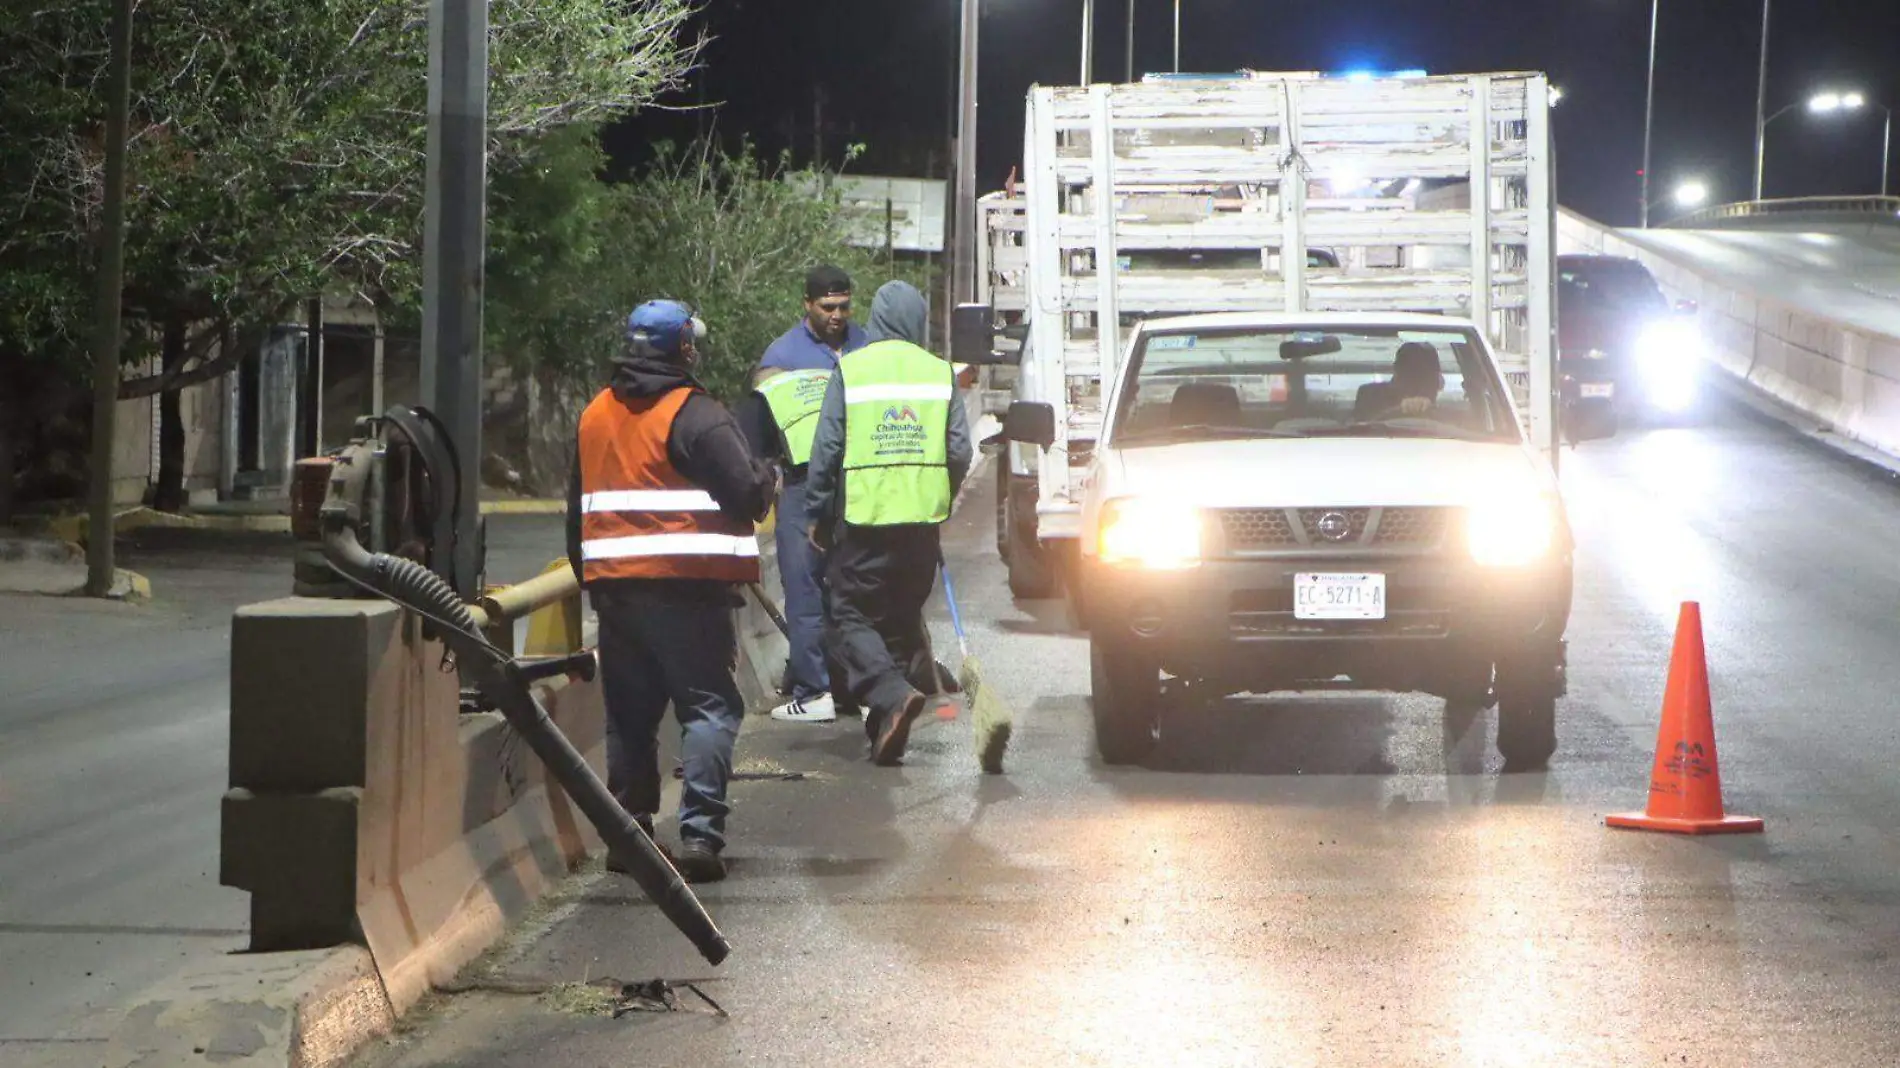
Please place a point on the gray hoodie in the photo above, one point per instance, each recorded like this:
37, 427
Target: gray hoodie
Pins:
898, 313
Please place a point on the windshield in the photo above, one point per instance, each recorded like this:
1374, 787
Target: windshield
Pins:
1351, 382
1604, 287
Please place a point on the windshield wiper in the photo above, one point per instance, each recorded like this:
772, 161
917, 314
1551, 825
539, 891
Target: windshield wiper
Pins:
1211, 430
1401, 428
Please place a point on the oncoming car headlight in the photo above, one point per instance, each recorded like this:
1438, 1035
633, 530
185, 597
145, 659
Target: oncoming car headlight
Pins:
1152, 534
1511, 531
1667, 355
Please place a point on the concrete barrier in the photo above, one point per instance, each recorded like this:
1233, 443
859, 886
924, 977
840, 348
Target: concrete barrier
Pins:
366, 809
1844, 376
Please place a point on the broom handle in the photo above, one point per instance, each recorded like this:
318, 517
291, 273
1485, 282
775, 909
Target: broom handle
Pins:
950, 598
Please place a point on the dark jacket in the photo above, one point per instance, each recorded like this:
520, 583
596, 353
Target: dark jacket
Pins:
706, 446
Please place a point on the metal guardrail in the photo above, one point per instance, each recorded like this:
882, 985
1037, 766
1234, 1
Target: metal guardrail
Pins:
1871, 209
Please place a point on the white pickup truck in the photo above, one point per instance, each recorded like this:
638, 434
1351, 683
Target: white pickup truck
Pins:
1334, 471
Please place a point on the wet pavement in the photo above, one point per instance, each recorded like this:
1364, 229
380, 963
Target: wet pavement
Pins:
1347, 880
114, 732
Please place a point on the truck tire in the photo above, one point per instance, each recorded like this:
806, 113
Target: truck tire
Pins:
1002, 510
1125, 693
1527, 731
1032, 575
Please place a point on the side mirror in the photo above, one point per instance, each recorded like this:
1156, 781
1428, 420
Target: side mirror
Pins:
1590, 419
1030, 422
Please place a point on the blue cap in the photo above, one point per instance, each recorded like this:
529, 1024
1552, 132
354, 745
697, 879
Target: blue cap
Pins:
663, 324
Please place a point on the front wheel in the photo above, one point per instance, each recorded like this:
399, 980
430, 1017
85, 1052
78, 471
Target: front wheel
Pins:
1126, 696
1527, 731
1032, 574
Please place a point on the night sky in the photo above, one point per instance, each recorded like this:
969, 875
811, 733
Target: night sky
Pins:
882, 72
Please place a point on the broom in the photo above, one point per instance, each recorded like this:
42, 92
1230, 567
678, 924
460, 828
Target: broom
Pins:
991, 714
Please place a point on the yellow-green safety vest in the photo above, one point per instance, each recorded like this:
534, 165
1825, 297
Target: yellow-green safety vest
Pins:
896, 441
795, 398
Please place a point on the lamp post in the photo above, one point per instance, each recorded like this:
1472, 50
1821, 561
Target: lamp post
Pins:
1836, 103
1088, 39
1649, 103
1177, 36
964, 289
1830, 103
1761, 101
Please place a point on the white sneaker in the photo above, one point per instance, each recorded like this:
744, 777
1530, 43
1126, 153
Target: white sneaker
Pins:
817, 709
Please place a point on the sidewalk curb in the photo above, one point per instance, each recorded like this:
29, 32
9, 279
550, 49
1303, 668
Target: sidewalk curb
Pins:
308, 1009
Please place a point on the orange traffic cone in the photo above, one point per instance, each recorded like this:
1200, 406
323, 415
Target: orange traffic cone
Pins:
1685, 788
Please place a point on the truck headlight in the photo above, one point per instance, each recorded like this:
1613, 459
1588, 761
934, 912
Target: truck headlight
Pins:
1157, 535
1511, 532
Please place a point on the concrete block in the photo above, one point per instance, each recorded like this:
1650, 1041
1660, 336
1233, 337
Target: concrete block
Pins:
297, 855
302, 672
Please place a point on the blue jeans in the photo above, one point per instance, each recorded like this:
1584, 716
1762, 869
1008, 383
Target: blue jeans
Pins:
661, 645
801, 569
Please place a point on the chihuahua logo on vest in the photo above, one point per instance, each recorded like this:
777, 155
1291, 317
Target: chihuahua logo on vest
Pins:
906, 414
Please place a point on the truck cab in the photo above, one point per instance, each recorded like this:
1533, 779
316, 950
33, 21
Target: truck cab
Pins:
1322, 501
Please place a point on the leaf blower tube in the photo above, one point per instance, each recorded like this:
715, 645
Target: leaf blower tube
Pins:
502, 681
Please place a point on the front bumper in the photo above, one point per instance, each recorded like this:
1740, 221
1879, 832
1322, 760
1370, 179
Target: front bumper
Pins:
1232, 621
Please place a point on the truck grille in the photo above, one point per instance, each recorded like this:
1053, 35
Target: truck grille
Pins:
1253, 530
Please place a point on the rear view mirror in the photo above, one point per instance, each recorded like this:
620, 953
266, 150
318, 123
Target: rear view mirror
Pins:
1303, 346
1030, 422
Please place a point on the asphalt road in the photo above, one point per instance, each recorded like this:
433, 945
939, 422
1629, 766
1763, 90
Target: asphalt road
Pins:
1341, 881
113, 748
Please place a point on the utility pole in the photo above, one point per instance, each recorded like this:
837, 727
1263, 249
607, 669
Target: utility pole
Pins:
106, 327
1177, 36
454, 243
1130, 67
1761, 101
964, 216
1649, 104
1088, 40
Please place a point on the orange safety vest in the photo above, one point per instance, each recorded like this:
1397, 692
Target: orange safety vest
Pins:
641, 518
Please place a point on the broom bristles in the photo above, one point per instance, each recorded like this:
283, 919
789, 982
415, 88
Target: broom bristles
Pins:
993, 718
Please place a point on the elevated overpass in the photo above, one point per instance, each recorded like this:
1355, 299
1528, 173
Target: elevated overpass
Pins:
1798, 298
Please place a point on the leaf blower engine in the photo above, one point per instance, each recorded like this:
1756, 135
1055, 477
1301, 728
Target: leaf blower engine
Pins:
383, 525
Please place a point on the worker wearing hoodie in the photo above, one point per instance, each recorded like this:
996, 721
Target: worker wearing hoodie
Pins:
661, 511
891, 451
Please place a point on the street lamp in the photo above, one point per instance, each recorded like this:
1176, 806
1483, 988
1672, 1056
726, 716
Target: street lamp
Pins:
1556, 95
1649, 105
1692, 194
1832, 103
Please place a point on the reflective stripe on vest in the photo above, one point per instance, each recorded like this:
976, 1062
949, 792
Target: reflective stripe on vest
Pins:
896, 442
795, 398
640, 517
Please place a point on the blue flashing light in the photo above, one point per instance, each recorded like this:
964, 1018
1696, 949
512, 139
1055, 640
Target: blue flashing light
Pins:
1367, 75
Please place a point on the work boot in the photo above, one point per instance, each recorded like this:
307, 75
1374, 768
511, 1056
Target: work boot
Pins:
697, 862
894, 734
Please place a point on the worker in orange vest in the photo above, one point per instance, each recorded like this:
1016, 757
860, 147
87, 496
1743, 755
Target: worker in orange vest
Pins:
661, 512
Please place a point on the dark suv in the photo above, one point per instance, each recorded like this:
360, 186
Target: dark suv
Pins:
1619, 338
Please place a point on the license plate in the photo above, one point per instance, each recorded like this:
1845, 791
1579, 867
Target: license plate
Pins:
1326, 596
1599, 389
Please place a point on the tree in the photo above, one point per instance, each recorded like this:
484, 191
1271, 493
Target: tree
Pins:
733, 236
276, 150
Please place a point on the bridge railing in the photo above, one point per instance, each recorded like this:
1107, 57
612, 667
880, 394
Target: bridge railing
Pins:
1870, 208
